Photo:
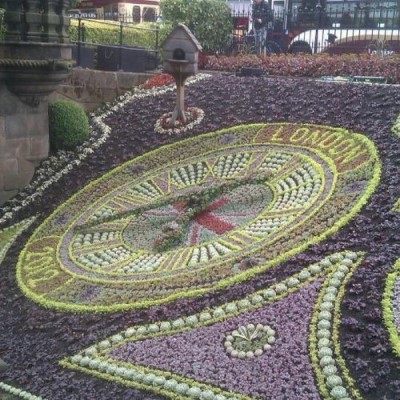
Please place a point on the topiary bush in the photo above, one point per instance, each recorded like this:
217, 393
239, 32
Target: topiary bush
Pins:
68, 125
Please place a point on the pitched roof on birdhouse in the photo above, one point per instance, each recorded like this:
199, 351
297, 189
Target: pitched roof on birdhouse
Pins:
182, 32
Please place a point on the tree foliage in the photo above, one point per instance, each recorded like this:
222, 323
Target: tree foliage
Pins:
209, 20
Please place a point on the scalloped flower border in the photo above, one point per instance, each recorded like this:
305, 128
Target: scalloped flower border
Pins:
387, 306
171, 131
16, 230
23, 394
396, 127
333, 377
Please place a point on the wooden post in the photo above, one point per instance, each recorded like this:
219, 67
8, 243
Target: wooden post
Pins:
180, 60
179, 111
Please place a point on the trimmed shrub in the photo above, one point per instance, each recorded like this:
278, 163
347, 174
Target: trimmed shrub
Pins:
108, 32
68, 125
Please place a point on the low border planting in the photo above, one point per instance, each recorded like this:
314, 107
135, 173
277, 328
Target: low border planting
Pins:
313, 66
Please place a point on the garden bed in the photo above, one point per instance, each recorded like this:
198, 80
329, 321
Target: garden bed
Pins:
312, 66
288, 189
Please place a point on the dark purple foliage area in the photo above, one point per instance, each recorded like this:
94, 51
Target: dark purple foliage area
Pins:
33, 339
203, 358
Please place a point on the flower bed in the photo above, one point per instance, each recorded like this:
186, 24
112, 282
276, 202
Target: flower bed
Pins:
253, 256
193, 117
313, 66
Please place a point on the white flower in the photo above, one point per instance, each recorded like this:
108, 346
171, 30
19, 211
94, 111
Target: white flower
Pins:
159, 129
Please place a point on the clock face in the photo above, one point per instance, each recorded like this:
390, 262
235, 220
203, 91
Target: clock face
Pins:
201, 213
193, 224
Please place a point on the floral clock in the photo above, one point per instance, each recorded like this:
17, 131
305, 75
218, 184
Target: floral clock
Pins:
203, 214
187, 218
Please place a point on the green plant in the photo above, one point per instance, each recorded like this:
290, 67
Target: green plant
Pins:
109, 32
209, 20
68, 125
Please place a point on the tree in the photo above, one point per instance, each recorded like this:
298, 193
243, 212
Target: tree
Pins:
209, 20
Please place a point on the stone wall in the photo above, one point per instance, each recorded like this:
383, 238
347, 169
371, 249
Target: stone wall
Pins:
23, 141
93, 88
24, 130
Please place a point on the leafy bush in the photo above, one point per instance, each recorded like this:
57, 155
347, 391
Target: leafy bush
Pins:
108, 32
313, 66
209, 20
68, 125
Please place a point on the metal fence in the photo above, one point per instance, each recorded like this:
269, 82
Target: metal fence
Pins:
332, 30
116, 45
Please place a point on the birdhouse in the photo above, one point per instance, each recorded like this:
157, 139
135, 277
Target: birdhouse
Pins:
181, 52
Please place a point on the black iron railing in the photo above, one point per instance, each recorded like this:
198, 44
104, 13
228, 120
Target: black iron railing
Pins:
98, 41
332, 29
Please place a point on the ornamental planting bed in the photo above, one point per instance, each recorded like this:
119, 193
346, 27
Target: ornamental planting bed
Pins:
252, 256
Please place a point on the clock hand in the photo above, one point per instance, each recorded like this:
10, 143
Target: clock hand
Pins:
194, 202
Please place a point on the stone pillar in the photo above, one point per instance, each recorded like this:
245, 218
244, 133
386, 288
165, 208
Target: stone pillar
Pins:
33, 18
13, 20
63, 30
52, 21
55, 21
34, 59
23, 141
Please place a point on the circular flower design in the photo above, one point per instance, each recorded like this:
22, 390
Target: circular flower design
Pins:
249, 341
193, 115
198, 214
